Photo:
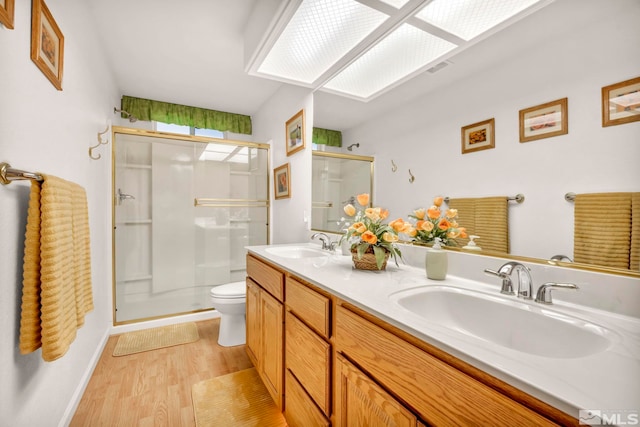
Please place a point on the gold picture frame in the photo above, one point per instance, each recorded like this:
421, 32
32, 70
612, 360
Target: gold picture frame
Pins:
7, 13
47, 43
478, 136
621, 103
282, 182
294, 131
544, 120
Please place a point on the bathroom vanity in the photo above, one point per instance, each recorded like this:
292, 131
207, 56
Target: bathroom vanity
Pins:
341, 350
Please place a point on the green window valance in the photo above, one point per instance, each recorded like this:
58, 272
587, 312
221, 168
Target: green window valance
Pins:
146, 109
332, 138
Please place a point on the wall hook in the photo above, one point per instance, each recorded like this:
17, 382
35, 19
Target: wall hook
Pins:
393, 166
103, 139
411, 177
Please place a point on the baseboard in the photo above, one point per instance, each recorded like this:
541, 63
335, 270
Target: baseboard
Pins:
84, 381
191, 317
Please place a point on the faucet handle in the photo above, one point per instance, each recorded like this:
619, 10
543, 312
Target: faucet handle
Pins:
507, 285
543, 295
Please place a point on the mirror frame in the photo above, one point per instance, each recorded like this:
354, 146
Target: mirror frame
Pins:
344, 156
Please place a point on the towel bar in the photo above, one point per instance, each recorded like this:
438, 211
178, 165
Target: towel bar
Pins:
519, 198
8, 174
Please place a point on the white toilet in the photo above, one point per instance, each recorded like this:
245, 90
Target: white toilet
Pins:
230, 300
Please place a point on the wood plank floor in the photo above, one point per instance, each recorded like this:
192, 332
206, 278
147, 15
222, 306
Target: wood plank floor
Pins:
154, 388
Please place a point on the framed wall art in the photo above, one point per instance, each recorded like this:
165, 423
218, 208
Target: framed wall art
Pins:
621, 103
282, 181
295, 133
6, 13
478, 136
47, 43
544, 121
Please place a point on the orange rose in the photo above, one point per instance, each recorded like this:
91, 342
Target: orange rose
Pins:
389, 237
410, 231
397, 224
419, 213
438, 201
451, 213
463, 232
453, 233
425, 226
443, 224
384, 213
363, 199
372, 213
350, 210
433, 212
359, 227
369, 237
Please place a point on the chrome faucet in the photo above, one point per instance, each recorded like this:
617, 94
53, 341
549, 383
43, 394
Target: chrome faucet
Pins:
525, 283
327, 244
543, 295
560, 258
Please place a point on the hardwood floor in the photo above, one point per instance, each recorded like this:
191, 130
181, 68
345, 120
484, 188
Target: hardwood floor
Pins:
154, 388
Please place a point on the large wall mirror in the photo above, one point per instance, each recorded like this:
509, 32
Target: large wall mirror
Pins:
417, 125
336, 180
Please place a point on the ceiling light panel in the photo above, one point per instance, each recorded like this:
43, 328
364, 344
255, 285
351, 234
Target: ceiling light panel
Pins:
319, 34
470, 18
400, 54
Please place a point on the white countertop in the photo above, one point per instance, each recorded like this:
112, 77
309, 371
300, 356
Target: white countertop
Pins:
609, 380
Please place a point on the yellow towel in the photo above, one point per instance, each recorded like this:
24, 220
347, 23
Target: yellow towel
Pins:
634, 260
602, 226
57, 293
487, 217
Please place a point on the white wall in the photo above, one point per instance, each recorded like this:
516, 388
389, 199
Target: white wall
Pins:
42, 129
424, 136
290, 218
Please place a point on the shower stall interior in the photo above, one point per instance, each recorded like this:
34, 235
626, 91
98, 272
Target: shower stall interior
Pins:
184, 210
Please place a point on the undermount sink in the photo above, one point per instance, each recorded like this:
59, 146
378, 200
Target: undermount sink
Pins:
507, 322
296, 252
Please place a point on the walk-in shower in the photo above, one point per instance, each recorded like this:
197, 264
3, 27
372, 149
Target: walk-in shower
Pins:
184, 208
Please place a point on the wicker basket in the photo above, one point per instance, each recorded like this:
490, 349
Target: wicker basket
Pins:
368, 261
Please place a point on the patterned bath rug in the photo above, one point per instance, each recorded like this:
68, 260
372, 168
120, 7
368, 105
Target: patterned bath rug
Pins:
154, 338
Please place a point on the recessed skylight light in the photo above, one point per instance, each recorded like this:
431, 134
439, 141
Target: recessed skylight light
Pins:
395, 57
470, 18
319, 34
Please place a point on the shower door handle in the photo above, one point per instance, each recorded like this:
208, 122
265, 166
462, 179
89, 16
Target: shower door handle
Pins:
122, 196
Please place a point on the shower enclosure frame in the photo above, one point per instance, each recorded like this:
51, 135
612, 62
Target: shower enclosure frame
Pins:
115, 130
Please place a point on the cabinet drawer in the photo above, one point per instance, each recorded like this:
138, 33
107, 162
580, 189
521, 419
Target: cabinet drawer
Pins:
307, 357
266, 276
439, 393
309, 305
300, 410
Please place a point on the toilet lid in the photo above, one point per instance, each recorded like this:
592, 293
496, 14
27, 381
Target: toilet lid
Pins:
229, 290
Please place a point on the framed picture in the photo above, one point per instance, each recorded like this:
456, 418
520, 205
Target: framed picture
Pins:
478, 136
282, 181
544, 121
47, 43
621, 103
6, 13
295, 133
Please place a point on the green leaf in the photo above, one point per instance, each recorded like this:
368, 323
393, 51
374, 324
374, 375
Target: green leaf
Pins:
380, 254
362, 248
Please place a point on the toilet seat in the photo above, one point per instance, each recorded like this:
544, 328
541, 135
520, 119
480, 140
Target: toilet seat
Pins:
229, 291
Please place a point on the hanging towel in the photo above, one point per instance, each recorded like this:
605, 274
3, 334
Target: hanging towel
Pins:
602, 229
634, 259
57, 290
487, 217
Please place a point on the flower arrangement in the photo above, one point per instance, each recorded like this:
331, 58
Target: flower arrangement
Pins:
431, 223
369, 234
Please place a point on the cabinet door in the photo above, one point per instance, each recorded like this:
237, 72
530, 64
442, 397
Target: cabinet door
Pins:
361, 402
271, 312
253, 320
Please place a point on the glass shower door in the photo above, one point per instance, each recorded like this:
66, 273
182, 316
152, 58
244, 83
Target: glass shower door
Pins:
183, 213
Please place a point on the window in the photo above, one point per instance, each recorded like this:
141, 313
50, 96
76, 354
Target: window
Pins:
186, 130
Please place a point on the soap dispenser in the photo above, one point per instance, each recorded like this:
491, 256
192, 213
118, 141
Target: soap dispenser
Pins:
436, 261
471, 246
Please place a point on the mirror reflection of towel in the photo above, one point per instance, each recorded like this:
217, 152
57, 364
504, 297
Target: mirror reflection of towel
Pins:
603, 231
486, 217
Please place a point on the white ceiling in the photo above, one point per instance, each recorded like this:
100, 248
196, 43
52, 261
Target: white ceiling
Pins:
191, 52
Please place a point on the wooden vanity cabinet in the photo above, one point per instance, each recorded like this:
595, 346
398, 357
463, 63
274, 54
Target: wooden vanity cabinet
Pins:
307, 355
265, 324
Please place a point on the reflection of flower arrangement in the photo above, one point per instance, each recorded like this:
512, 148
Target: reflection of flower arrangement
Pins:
368, 233
430, 223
